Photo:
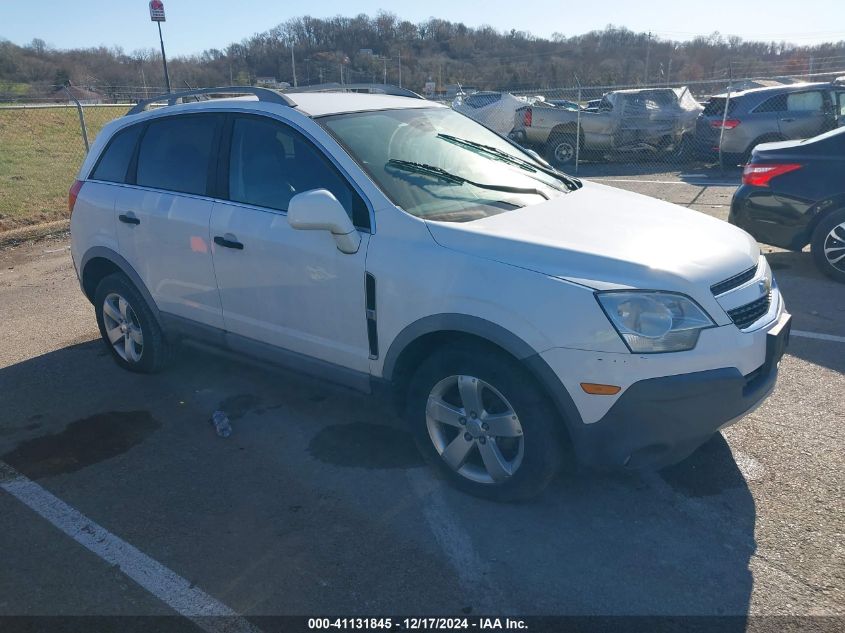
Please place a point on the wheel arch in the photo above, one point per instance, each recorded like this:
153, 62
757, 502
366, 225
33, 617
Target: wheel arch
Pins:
819, 212
99, 262
768, 137
562, 129
419, 339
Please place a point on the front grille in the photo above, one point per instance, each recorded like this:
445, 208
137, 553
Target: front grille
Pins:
733, 282
743, 316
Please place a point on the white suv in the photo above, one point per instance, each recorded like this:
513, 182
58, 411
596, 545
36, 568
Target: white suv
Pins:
392, 244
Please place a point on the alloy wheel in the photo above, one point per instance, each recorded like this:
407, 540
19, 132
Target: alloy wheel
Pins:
474, 429
834, 247
123, 329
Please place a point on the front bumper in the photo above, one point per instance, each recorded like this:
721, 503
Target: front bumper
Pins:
660, 420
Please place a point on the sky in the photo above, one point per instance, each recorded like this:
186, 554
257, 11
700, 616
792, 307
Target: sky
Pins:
196, 25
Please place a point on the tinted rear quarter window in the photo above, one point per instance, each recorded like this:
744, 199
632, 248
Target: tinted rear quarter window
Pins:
480, 101
175, 153
114, 162
715, 106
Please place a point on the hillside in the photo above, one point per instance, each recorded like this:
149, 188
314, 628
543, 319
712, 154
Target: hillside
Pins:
365, 48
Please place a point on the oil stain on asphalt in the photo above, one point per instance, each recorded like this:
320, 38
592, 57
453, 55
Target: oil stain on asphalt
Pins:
82, 443
361, 445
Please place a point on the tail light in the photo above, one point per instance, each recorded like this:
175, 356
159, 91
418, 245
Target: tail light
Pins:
728, 124
527, 117
759, 175
72, 195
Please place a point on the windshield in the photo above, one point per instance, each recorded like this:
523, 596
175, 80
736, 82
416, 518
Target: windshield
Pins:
438, 164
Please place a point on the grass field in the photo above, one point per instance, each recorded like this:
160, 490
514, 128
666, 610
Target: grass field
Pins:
41, 150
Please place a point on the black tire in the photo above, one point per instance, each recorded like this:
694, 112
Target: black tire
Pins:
156, 352
827, 235
542, 434
560, 149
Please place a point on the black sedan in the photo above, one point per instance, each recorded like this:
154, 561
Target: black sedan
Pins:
793, 194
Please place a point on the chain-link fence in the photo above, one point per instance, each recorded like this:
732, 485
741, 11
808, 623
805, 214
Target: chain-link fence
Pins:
41, 148
660, 129
621, 135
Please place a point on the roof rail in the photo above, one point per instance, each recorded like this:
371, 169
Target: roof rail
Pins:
263, 94
369, 88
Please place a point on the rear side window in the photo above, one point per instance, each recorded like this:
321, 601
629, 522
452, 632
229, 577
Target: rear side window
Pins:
114, 162
269, 163
805, 102
175, 153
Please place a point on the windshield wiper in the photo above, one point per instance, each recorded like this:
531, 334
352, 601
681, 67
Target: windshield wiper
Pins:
571, 183
442, 174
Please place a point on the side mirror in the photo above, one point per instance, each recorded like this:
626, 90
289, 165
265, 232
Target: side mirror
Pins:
319, 210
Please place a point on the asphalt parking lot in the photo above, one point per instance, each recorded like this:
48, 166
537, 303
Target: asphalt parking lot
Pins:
319, 504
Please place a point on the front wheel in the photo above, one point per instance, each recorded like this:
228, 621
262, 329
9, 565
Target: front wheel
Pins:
484, 422
828, 245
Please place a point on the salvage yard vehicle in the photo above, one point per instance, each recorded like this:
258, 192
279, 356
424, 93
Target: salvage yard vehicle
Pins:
520, 318
655, 120
494, 110
766, 115
793, 194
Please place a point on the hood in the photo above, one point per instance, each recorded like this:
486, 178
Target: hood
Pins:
608, 238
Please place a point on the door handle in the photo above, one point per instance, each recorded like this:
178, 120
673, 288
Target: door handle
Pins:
222, 241
128, 219
788, 120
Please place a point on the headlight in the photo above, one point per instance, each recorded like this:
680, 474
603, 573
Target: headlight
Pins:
655, 321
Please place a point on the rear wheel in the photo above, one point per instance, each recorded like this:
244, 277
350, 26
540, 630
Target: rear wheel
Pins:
128, 326
828, 245
482, 420
561, 148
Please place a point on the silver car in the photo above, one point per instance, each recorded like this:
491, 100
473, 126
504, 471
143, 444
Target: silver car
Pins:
763, 115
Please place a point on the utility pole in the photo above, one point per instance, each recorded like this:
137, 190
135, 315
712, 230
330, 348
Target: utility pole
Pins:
725, 114
400, 68
144, 81
292, 63
647, 54
384, 59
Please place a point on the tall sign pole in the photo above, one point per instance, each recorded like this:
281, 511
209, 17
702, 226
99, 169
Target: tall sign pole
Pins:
157, 16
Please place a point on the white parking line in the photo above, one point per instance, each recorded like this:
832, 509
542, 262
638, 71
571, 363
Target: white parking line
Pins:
818, 336
165, 584
473, 572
